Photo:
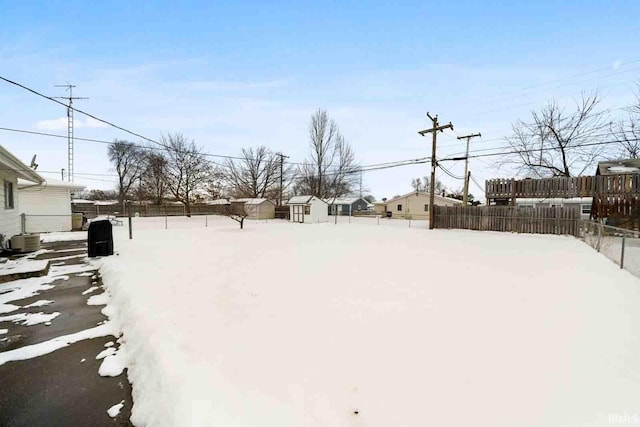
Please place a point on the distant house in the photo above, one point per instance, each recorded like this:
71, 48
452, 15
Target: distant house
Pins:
47, 207
347, 205
582, 203
414, 205
309, 209
217, 202
256, 208
11, 168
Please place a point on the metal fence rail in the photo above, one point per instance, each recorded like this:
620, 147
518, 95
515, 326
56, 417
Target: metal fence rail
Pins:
620, 245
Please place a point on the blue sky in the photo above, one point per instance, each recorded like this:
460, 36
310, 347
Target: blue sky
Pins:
240, 74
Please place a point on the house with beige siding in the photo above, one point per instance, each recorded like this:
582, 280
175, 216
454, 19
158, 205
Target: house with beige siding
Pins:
11, 168
414, 205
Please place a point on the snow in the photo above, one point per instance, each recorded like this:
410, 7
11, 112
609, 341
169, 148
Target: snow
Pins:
39, 303
24, 288
3, 331
115, 409
106, 352
109, 344
100, 299
411, 327
91, 289
623, 169
46, 347
61, 236
23, 265
114, 363
30, 319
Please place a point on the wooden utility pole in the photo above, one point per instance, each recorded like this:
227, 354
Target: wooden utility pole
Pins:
432, 185
282, 157
465, 194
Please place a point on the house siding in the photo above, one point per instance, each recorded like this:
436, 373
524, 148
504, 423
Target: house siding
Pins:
412, 206
47, 209
265, 210
9, 218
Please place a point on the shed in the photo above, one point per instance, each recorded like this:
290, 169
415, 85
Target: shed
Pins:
11, 168
309, 209
347, 205
257, 208
47, 207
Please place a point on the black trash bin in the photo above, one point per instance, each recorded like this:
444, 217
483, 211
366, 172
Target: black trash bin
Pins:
389, 213
100, 238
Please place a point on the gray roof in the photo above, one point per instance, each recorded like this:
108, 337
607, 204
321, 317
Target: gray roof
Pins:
299, 200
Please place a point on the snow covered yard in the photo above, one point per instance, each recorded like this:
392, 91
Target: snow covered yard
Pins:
286, 324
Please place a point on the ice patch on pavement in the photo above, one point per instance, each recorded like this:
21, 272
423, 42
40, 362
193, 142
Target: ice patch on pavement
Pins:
91, 289
109, 344
30, 319
100, 299
85, 274
23, 265
3, 331
39, 303
71, 269
46, 347
115, 409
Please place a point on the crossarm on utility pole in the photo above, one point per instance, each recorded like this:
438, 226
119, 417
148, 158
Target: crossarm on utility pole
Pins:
432, 185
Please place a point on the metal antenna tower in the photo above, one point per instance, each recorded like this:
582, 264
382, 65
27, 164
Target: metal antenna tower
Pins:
69, 88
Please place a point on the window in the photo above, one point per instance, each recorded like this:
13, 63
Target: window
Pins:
586, 209
426, 208
399, 208
8, 195
307, 210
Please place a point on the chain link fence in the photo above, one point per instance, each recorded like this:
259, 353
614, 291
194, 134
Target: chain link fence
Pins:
620, 245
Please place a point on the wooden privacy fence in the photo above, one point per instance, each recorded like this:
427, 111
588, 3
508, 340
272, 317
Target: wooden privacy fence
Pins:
579, 186
556, 220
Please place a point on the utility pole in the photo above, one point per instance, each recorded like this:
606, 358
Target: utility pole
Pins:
465, 194
69, 88
282, 157
432, 185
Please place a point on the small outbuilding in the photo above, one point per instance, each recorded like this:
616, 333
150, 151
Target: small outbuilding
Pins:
46, 206
414, 205
256, 208
309, 209
347, 205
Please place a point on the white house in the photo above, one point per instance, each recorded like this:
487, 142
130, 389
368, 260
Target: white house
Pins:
11, 168
309, 209
47, 207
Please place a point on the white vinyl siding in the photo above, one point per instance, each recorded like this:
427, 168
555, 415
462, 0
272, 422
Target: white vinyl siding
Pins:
10, 218
47, 209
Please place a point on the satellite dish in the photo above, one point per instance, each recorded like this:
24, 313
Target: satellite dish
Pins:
33, 164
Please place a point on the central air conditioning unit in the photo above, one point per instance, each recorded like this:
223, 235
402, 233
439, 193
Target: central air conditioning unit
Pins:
25, 243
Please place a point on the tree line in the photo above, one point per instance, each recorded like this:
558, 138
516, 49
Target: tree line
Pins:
178, 169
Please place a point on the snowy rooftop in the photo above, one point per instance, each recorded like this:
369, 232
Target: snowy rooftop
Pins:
425, 194
622, 166
343, 200
299, 200
251, 201
217, 202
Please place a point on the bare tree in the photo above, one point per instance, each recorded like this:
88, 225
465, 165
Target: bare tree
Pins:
332, 169
237, 213
129, 163
423, 184
154, 178
187, 168
255, 174
627, 131
556, 142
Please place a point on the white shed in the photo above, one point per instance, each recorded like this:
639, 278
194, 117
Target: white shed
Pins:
309, 209
47, 207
